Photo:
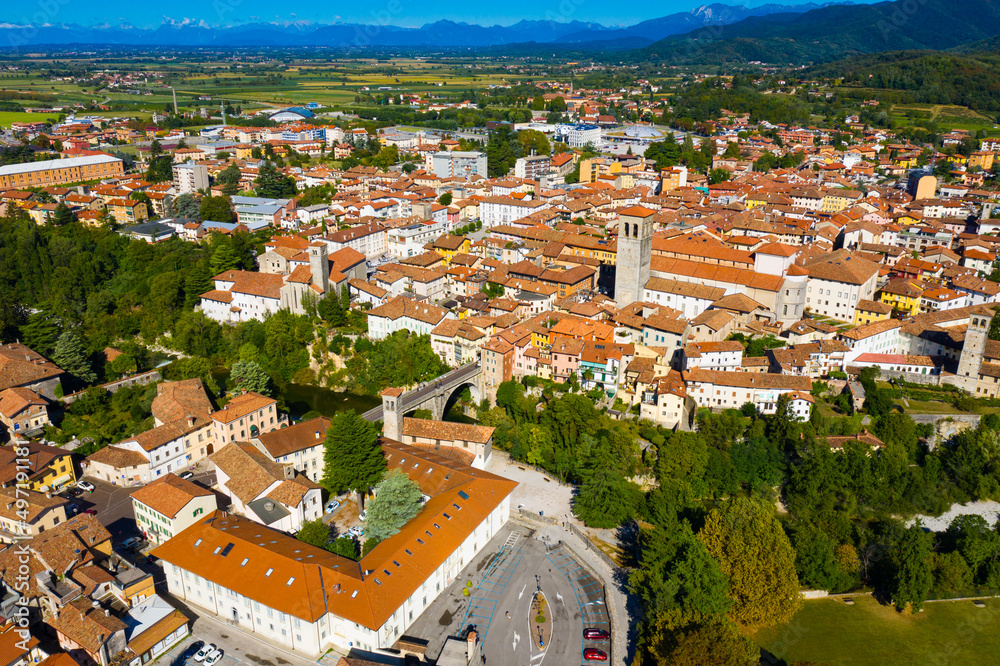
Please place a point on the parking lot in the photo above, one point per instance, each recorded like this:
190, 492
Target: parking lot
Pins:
504, 577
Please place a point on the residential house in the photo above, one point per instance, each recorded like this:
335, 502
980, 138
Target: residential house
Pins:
169, 505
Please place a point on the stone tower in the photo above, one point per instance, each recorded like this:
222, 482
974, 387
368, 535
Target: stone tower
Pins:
635, 247
319, 266
972, 349
392, 413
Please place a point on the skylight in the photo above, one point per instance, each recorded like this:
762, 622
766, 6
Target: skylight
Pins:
290, 580
197, 543
269, 572
216, 551
463, 494
244, 562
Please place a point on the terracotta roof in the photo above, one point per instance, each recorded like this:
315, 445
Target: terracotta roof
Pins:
841, 266
748, 379
446, 430
169, 494
39, 458
175, 400
250, 472
117, 457
863, 437
242, 405
307, 582
153, 439
85, 625
407, 307
868, 330
299, 437
15, 400
20, 504
20, 365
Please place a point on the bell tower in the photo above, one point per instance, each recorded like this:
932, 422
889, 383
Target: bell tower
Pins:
971, 359
635, 248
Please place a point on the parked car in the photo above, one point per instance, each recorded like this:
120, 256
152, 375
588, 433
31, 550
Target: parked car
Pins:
85, 485
362, 516
215, 657
132, 542
332, 506
355, 531
91, 512
74, 493
192, 650
590, 654
596, 634
204, 652
187, 475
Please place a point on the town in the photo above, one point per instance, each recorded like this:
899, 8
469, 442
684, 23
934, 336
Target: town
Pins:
322, 382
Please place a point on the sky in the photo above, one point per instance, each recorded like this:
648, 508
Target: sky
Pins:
385, 12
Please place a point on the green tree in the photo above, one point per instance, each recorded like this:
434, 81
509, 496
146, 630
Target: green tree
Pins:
604, 500
188, 206
714, 642
229, 178
63, 215
911, 566
754, 552
71, 356
716, 176
353, 458
273, 184
345, 546
223, 259
249, 376
160, 169
217, 209
396, 502
314, 532
40, 332
445, 199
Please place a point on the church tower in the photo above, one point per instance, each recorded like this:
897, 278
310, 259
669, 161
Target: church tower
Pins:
635, 247
971, 359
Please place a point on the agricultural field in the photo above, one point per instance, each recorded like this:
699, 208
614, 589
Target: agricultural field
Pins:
7, 118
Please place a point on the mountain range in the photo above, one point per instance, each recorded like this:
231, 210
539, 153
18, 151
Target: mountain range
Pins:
440, 34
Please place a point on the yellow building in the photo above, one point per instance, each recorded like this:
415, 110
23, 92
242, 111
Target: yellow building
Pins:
35, 466
837, 200
448, 245
127, 211
870, 311
595, 167
982, 159
59, 172
903, 294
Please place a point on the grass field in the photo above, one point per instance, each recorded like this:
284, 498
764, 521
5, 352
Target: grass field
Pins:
9, 117
827, 631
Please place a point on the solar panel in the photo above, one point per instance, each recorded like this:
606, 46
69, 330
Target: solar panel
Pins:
229, 547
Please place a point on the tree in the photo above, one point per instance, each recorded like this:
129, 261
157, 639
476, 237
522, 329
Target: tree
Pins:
314, 532
223, 259
445, 199
714, 642
345, 546
249, 376
604, 499
911, 565
188, 205
71, 356
160, 169
353, 458
753, 550
396, 502
63, 215
273, 184
217, 209
716, 176
229, 178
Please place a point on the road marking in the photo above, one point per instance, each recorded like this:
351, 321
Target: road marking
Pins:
521, 593
560, 599
540, 655
517, 639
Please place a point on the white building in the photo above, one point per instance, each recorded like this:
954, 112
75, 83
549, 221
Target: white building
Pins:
370, 240
690, 298
402, 313
837, 282
504, 210
878, 337
578, 136
307, 599
452, 163
266, 492
726, 355
168, 506
732, 390
190, 177
300, 446
409, 241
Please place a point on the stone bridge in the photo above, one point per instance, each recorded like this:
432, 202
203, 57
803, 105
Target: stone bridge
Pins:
436, 395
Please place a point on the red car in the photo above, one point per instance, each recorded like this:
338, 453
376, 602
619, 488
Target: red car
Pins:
91, 512
593, 654
596, 634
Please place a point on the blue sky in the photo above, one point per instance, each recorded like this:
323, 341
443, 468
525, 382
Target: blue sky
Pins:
394, 12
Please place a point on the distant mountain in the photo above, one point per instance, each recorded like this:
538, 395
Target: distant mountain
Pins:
836, 31
683, 22
440, 34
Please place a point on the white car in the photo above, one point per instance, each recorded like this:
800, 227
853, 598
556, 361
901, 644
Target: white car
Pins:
355, 531
215, 657
201, 654
85, 485
332, 506
362, 516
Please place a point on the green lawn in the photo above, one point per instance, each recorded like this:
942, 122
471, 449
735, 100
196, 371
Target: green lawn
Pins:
9, 117
827, 631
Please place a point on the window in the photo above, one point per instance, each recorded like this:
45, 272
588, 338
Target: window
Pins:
269, 572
